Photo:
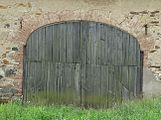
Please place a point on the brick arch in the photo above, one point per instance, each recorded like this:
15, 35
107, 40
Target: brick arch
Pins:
31, 23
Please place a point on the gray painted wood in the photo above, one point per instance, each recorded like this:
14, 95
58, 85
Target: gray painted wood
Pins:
84, 63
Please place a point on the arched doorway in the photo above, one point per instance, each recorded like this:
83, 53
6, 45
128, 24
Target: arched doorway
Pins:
81, 62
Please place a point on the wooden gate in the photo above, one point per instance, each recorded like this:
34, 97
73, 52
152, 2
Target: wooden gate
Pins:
83, 63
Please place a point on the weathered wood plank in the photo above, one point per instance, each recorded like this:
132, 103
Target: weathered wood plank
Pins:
110, 85
69, 42
98, 52
125, 82
76, 85
76, 42
104, 87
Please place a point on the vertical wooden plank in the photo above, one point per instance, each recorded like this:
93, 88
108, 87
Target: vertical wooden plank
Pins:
105, 45
141, 71
104, 40
40, 45
113, 83
56, 48
138, 82
83, 62
108, 45
82, 84
125, 82
135, 81
119, 42
92, 43
61, 82
58, 83
41, 58
76, 42
93, 78
62, 36
119, 87
34, 79
34, 46
98, 60
131, 73
53, 83
77, 83
90, 86
134, 57
114, 49
54, 41
125, 47
55, 89
73, 89
49, 41
68, 86
107, 82
89, 41
43, 79
103, 102
102, 44
110, 85
130, 51
84, 39
43, 39
87, 89
47, 82
37, 44
28, 83
99, 84
69, 42
138, 55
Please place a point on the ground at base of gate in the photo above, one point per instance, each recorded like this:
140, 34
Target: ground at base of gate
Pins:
146, 109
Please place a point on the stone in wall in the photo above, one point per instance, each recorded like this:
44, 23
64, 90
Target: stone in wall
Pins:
7, 88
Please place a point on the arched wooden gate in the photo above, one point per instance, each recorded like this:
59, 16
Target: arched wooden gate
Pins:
81, 62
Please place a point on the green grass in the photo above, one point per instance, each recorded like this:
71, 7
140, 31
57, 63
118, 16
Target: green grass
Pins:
147, 109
